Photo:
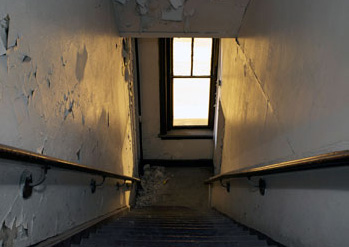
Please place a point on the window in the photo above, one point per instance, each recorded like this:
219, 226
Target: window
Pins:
188, 73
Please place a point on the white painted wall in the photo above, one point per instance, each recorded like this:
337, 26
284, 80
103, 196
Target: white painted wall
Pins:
179, 18
69, 98
299, 209
285, 96
153, 146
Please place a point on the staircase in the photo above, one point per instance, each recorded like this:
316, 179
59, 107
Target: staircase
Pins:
171, 226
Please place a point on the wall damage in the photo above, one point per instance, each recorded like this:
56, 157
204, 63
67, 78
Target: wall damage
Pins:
65, 92
284, 96
4, 29
156, 18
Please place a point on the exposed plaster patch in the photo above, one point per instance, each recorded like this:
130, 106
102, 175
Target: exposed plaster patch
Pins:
64, 62
81, 60
28, 93
26, 59
123, 2
171, 14
22, 231
78, 153
8, 235
126, 54
41, 149
176, 3
69, 109
48, 81
142, 6
13, 45
4, 29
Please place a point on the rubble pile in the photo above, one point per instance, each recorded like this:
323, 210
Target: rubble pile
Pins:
153, 180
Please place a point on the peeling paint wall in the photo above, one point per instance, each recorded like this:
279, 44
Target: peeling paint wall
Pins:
176, 18
153, 146
285, 96
66, 82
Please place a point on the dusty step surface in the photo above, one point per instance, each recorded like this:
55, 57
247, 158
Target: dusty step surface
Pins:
172, 226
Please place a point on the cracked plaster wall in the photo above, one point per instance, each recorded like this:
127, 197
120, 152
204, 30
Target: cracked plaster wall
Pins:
65, 91
175, 18
285, 96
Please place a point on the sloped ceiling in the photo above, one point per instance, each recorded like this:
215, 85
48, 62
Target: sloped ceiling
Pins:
174, 18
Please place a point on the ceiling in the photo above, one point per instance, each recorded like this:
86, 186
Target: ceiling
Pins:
179, 18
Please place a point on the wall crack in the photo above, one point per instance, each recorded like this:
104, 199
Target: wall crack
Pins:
264, 93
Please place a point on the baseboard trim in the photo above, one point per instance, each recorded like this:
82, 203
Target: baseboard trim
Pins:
75, 234
178, 163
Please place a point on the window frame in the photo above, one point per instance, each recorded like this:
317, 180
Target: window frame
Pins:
166, 86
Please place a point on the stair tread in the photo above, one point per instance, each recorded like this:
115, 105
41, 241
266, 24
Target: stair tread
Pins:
160, 226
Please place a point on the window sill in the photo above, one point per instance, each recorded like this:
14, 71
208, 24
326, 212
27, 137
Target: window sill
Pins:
180, 134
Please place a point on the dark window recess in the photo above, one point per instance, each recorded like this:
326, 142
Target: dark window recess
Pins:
188, 74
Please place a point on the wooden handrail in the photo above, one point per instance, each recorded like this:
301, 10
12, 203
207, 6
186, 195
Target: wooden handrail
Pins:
46, 163
329, 160
16, 154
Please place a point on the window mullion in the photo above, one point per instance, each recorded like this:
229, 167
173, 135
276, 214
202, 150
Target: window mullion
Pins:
192, 56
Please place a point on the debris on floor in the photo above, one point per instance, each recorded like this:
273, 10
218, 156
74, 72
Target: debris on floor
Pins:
153, 180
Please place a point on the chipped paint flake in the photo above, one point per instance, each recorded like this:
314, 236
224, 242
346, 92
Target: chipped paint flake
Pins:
171, 14
4, 27
123, 2
142, 6
2, 47
39, 86
176, 3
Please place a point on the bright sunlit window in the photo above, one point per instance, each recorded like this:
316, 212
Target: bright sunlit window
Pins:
188, 72
191, 79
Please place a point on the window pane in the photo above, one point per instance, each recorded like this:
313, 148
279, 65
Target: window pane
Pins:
182, 56
191, 97
202, 56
